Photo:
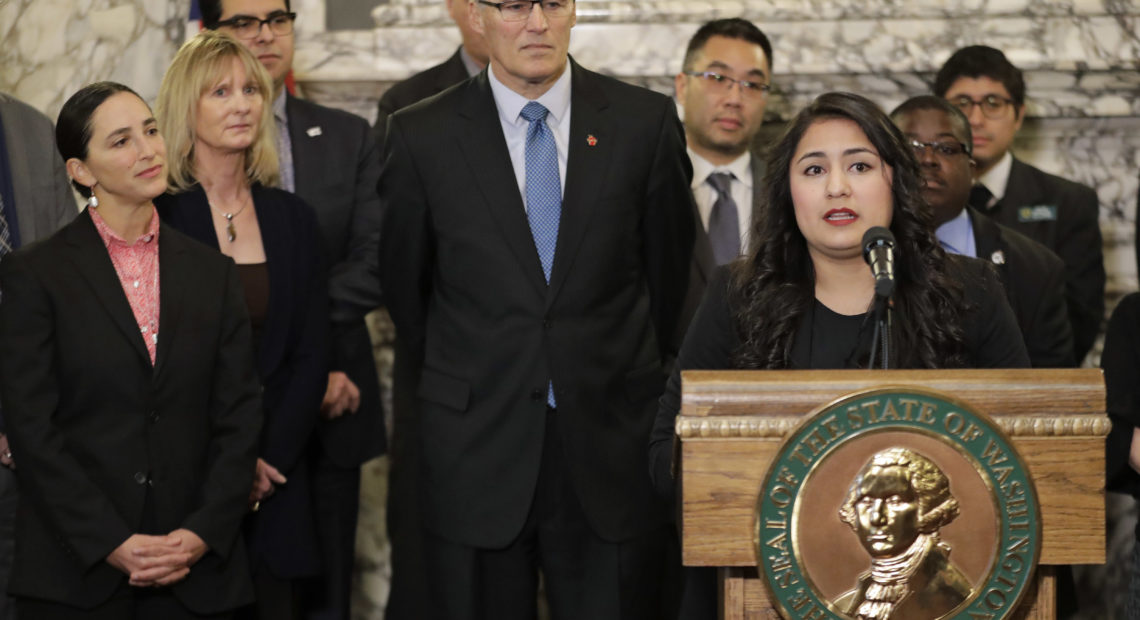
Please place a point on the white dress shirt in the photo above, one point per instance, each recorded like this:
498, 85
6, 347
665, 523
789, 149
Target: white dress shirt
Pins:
510, 105
741, 188
996, 179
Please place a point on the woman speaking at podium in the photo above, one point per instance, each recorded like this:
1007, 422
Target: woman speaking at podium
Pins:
804, 297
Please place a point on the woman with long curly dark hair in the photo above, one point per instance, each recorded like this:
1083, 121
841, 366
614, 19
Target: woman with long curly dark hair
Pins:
803, 297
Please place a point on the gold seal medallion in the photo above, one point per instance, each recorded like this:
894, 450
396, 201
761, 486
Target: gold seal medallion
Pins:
897, 503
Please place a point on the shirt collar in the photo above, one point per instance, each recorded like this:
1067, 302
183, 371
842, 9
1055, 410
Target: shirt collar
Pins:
997, 178
111, 237
468, 62
955, 234
279, 112
741, 168
556, 100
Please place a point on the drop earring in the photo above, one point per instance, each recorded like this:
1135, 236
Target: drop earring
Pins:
92, 201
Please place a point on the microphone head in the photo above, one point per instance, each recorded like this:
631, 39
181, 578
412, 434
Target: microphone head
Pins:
876, 236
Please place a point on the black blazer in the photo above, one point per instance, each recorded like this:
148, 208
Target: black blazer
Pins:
466, 290
1034, 282
291, 363
336, 164
992, 341
96, 429
418, 87
1068, 226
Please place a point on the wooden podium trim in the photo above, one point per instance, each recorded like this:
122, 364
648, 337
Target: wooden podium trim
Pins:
736, 427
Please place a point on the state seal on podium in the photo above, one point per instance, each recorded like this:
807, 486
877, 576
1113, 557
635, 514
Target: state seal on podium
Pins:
897, 504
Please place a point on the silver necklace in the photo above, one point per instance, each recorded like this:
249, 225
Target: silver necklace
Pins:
231, 232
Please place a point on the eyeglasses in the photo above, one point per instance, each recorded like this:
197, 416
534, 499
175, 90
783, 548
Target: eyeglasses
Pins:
520, 10
248, 27
993, 106
722, 83
947, 148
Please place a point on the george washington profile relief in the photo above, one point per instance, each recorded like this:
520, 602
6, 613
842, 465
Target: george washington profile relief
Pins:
896, 505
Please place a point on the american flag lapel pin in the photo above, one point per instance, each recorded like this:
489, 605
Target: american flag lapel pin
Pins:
591, 140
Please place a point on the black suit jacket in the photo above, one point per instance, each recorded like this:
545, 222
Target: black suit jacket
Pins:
703, 264
1067, 225
96, 429
291, 363
335, 171
1034, 281
471, 305
418, 87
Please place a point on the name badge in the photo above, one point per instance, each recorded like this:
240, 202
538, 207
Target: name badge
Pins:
1037, 213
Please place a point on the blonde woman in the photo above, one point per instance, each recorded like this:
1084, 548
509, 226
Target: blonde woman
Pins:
213, 104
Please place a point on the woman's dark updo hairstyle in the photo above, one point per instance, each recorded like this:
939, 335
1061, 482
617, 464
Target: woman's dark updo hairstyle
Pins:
774, 286
73, 128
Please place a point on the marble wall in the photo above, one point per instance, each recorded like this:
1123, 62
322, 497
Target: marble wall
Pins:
50, 48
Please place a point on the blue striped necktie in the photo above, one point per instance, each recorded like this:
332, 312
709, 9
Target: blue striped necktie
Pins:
543, 192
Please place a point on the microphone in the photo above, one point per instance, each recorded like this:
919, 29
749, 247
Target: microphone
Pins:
879, 252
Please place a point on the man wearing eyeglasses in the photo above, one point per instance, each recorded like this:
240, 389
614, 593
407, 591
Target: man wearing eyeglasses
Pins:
723, 87
535, 251
1033, 276
1060, 214
330, 159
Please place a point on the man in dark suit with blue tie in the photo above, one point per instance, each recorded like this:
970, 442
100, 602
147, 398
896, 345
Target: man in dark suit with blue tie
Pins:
330, 159
534, 253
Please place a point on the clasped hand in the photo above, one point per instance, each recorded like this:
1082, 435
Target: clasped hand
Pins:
153, 561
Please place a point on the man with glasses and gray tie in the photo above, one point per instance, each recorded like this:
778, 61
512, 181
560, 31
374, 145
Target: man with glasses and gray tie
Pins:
723, 87
534, 254
1059, 214
35, 201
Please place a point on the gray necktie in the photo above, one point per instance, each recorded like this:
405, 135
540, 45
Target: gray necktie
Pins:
724, 222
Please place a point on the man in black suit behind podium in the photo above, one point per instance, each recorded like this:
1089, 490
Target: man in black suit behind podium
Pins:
535, 250
468, 60
1058, 213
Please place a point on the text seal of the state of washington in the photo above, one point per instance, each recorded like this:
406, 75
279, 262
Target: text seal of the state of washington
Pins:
897, 504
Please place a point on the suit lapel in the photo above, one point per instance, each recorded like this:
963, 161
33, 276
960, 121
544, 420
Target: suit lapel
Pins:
988, 241
759, 169
172, 269
306, 161
591, 144
1021, 190
276, 238
484, 149
92, 260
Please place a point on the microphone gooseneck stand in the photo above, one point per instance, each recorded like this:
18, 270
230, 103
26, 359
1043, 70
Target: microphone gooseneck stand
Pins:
881, 334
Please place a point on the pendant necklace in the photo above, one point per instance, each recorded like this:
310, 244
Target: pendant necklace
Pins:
231, 232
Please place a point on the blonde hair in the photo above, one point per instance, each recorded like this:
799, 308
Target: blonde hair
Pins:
196, 68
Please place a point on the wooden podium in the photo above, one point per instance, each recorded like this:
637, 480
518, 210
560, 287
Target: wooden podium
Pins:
732, 424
